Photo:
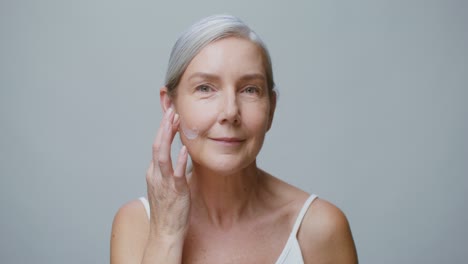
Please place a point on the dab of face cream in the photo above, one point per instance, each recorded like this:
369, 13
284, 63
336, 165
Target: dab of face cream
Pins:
189, 133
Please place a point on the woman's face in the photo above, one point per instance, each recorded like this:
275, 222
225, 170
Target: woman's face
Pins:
224, 105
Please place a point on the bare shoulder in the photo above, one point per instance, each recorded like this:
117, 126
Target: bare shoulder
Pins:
129, 233
325, 235
283, 190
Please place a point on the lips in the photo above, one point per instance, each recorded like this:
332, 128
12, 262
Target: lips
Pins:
228, 140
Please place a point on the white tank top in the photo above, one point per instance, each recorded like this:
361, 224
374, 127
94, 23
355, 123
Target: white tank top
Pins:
291, 253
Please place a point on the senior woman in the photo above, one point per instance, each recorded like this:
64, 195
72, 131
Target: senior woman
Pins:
219, 95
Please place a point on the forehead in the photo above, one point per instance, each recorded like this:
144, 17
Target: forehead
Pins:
229, 56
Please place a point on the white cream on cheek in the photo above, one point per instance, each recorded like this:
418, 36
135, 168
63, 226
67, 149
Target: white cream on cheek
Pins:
189, 133
192, 132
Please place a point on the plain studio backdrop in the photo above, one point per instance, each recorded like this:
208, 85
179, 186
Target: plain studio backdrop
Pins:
372, 116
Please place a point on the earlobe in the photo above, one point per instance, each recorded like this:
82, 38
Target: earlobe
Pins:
165, 99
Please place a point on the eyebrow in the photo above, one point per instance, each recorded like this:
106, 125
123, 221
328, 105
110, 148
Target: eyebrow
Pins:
253, 76
203, 75
209, 76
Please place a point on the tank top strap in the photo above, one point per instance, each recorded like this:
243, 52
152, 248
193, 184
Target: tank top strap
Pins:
301, 214
145, 203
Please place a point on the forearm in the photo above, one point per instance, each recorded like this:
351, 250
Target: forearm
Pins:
167, 250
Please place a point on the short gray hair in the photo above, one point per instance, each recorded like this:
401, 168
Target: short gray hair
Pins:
202, 33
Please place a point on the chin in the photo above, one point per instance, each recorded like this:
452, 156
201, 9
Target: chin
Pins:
225, 165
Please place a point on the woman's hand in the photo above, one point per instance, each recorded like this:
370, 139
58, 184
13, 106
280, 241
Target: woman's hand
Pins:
168, 191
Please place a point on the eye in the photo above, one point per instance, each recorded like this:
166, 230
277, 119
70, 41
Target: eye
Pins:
204, 88
251, 90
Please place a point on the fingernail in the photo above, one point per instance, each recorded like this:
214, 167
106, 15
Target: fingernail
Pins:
169, 111
176, 118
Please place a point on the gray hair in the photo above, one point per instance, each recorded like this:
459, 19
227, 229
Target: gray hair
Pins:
202, 33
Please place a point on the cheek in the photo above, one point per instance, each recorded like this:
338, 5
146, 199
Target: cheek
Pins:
256, 117
196, 119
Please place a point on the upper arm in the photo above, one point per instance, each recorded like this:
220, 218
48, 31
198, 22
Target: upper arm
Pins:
325, 235
129, 234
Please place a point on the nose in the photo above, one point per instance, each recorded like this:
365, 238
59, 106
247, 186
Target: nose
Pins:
229, 109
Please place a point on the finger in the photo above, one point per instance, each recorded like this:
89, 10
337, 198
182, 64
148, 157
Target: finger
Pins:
180, 181
149, 173
157, 139
150, 180
176, 122
164, 155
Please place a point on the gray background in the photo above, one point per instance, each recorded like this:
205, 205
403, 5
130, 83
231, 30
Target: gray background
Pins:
372, 116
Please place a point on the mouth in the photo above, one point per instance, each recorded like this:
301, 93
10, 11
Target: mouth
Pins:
228, 140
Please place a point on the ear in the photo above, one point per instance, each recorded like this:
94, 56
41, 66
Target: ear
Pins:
273, 100
165, 99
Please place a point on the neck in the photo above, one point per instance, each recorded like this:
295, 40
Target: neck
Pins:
224, 198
